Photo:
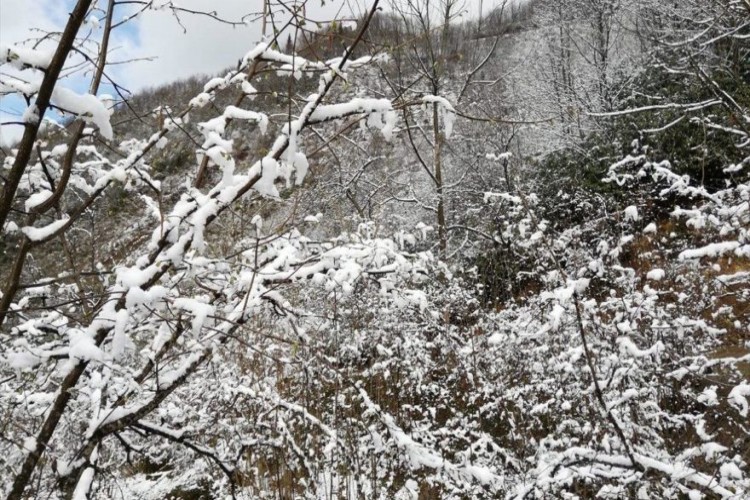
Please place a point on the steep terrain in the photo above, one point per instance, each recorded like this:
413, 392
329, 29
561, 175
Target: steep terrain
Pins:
512, 263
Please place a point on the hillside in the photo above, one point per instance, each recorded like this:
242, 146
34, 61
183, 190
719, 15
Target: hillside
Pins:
422, 257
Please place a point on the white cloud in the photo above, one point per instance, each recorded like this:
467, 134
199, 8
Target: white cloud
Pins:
18, 17
208, 46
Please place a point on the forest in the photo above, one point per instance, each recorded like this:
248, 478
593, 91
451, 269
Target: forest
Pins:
413, 252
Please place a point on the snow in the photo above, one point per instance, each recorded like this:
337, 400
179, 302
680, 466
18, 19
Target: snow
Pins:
495, 339
501, 157
420, 456
221, 158
167, 379
200, 100
59, 151
631, 213
629, 347
423, 229
29, 444
21, 360
737, 398
268, 168
684, 473
446, 111
120, 338
37, 199
734, 278
84, 485
380, 111
174, 434
199, 310
83, 347
730, 470
489, 196
108, 102
23, 56
236, 113
711, 450
31, 114
42, 233
255, 53
85, 106
731, 169
219, 150
709, 397
412, 298
248, 89
711, 250
655, 275
133, 277
215, 84
93, 21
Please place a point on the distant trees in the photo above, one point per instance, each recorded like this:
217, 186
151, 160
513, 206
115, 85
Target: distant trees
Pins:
437, 65
588, 49
692, 99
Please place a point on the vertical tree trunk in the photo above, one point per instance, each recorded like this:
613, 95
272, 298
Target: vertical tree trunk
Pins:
438, 68
438, 165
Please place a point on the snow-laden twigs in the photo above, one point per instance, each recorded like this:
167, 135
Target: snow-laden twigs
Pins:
419, 456
576, 458
134, 286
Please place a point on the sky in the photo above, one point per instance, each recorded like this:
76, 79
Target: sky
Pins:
161, 48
